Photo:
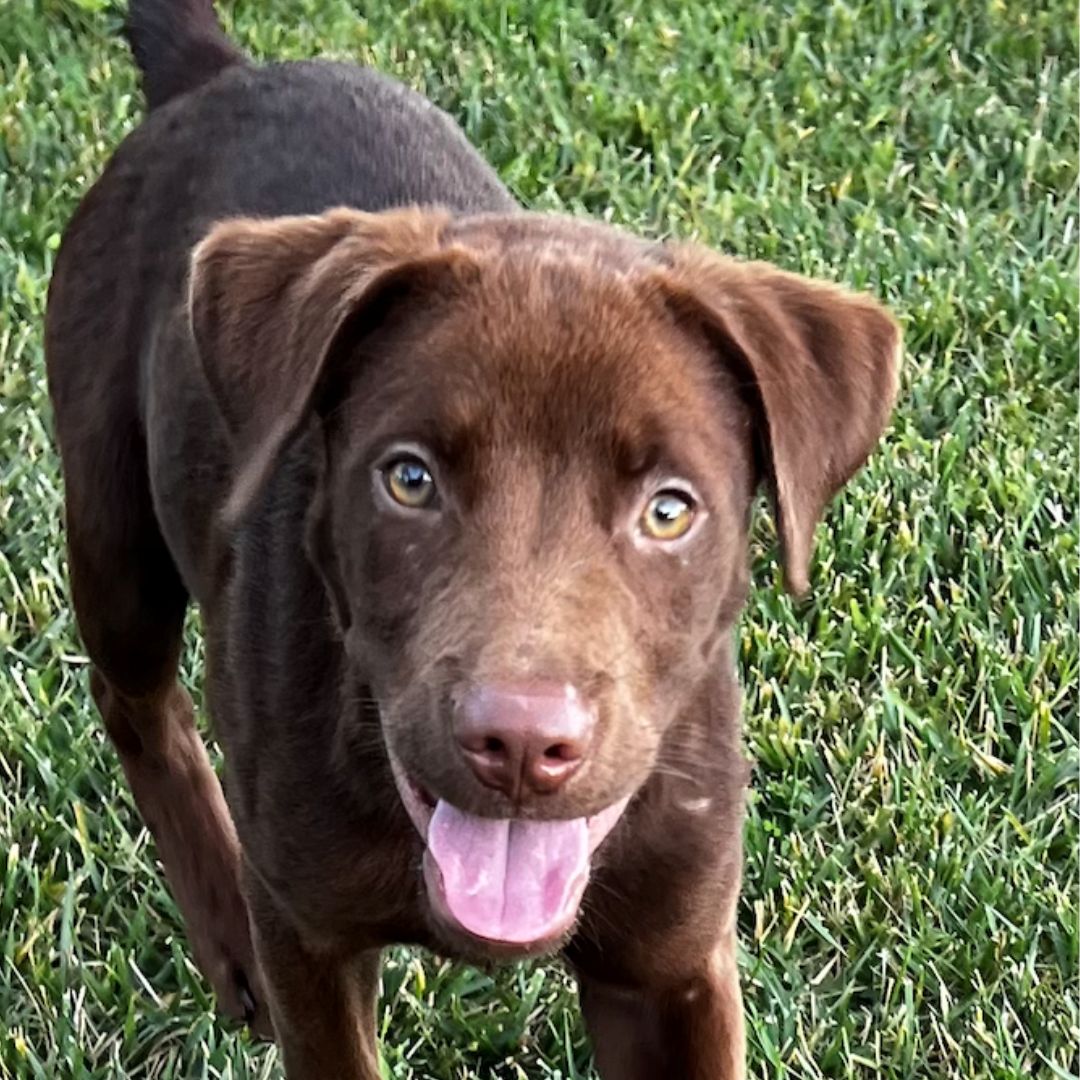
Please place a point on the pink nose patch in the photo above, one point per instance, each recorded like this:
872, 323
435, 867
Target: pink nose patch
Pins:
509, 880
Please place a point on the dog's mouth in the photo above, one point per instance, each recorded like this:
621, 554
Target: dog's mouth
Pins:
507, 881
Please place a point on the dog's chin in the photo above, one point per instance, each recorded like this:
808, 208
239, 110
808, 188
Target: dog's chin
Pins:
502, 888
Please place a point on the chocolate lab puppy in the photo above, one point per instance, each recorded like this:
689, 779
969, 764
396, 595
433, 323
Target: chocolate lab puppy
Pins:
462, 494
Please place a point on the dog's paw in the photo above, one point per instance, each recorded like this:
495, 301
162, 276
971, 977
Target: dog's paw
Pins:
220, 937
233, 972
255, 1013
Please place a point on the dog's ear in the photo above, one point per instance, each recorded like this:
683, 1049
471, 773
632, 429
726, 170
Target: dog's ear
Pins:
270, 301
819, 365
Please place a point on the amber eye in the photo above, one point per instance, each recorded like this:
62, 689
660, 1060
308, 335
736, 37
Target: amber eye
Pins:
409, 483
668, 515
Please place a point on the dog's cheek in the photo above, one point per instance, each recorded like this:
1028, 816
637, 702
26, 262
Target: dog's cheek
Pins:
683, 602
425, 625
403, 726
629, 651
385, 581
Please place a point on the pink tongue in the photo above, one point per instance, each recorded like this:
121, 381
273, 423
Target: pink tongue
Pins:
514, 881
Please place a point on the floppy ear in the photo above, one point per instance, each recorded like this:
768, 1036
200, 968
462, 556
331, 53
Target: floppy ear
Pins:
268, 300
819, 364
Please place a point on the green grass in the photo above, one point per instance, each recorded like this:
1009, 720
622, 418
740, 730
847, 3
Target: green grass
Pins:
910, 903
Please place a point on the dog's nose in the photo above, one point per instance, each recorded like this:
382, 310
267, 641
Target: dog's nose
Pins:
523, 738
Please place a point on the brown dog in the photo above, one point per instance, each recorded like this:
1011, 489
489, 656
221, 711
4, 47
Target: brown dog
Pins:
463, 494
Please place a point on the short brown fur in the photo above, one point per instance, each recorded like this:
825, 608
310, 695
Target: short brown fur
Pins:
224, 444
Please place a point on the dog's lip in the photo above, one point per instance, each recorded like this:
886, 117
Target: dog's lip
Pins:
420, 806
419, 803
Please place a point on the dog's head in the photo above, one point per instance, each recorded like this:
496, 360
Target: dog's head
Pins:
542, 442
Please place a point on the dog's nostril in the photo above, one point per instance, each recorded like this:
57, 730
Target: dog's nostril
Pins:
494, 745
561, 752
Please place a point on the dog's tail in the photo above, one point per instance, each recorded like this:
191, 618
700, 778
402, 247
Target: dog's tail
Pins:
178, 45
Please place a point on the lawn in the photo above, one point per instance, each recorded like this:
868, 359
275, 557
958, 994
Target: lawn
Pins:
910, 903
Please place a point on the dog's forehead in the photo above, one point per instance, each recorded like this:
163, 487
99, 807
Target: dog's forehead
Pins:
557, 348
505, 234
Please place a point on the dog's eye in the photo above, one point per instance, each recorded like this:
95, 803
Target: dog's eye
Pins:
668, 515
409, 483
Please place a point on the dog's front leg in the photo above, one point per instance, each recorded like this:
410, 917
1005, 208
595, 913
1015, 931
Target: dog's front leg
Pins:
322, 1006
689, 1029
